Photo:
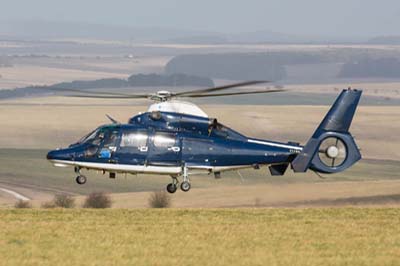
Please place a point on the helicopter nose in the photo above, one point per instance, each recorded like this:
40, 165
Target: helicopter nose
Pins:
52, 155
60, 154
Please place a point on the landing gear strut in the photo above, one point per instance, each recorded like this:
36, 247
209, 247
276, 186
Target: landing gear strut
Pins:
80, 179
185, 186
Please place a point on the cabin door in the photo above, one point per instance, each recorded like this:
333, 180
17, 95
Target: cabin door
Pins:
133, 147
165, 149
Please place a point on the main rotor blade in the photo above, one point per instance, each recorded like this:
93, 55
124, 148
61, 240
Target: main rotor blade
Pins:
232, 93
58, 89
219, 88
109, 96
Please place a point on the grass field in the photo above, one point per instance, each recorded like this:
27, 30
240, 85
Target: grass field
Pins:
200, 237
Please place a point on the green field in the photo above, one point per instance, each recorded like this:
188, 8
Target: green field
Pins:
347, 236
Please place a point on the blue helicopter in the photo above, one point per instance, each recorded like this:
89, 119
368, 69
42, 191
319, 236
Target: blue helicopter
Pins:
178, 139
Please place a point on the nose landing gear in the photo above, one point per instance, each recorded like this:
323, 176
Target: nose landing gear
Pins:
80, 179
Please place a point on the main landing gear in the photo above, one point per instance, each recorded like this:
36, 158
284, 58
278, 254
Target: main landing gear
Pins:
80, 179
185, 185
172, 187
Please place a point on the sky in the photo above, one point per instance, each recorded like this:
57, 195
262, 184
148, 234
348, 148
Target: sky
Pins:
304, 17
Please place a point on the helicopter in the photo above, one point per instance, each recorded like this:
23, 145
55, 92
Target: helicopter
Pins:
177, 138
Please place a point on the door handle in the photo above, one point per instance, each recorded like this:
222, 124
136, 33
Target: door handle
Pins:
143, 149
174, 149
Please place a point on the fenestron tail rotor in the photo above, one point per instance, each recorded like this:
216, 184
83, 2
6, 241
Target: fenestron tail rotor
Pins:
165, 95
332, 152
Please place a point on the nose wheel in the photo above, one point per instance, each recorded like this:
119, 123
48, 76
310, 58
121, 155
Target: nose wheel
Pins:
81, 179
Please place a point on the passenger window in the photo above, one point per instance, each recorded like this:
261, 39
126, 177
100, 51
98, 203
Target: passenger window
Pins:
164, 140
133, 139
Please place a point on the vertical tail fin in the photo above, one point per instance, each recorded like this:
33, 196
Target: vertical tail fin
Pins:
331, 148
341, 114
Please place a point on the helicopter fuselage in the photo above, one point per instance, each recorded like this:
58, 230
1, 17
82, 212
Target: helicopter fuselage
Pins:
166, 143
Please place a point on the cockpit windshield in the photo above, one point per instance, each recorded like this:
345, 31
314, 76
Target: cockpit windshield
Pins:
89, 136
95, 137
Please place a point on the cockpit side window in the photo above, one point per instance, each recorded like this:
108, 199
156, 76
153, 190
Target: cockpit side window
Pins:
94, 140
98, 139
225, 132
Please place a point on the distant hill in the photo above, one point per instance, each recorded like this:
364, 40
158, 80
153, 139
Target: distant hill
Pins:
48, 30
245, 37
139, 80
240, 66
39, 30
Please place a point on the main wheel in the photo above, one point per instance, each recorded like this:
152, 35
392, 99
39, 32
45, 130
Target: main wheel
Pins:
185, 186
81, 179
171, 188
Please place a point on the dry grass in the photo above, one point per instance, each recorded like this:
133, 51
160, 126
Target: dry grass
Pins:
25, 75
200, 237
29, 71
